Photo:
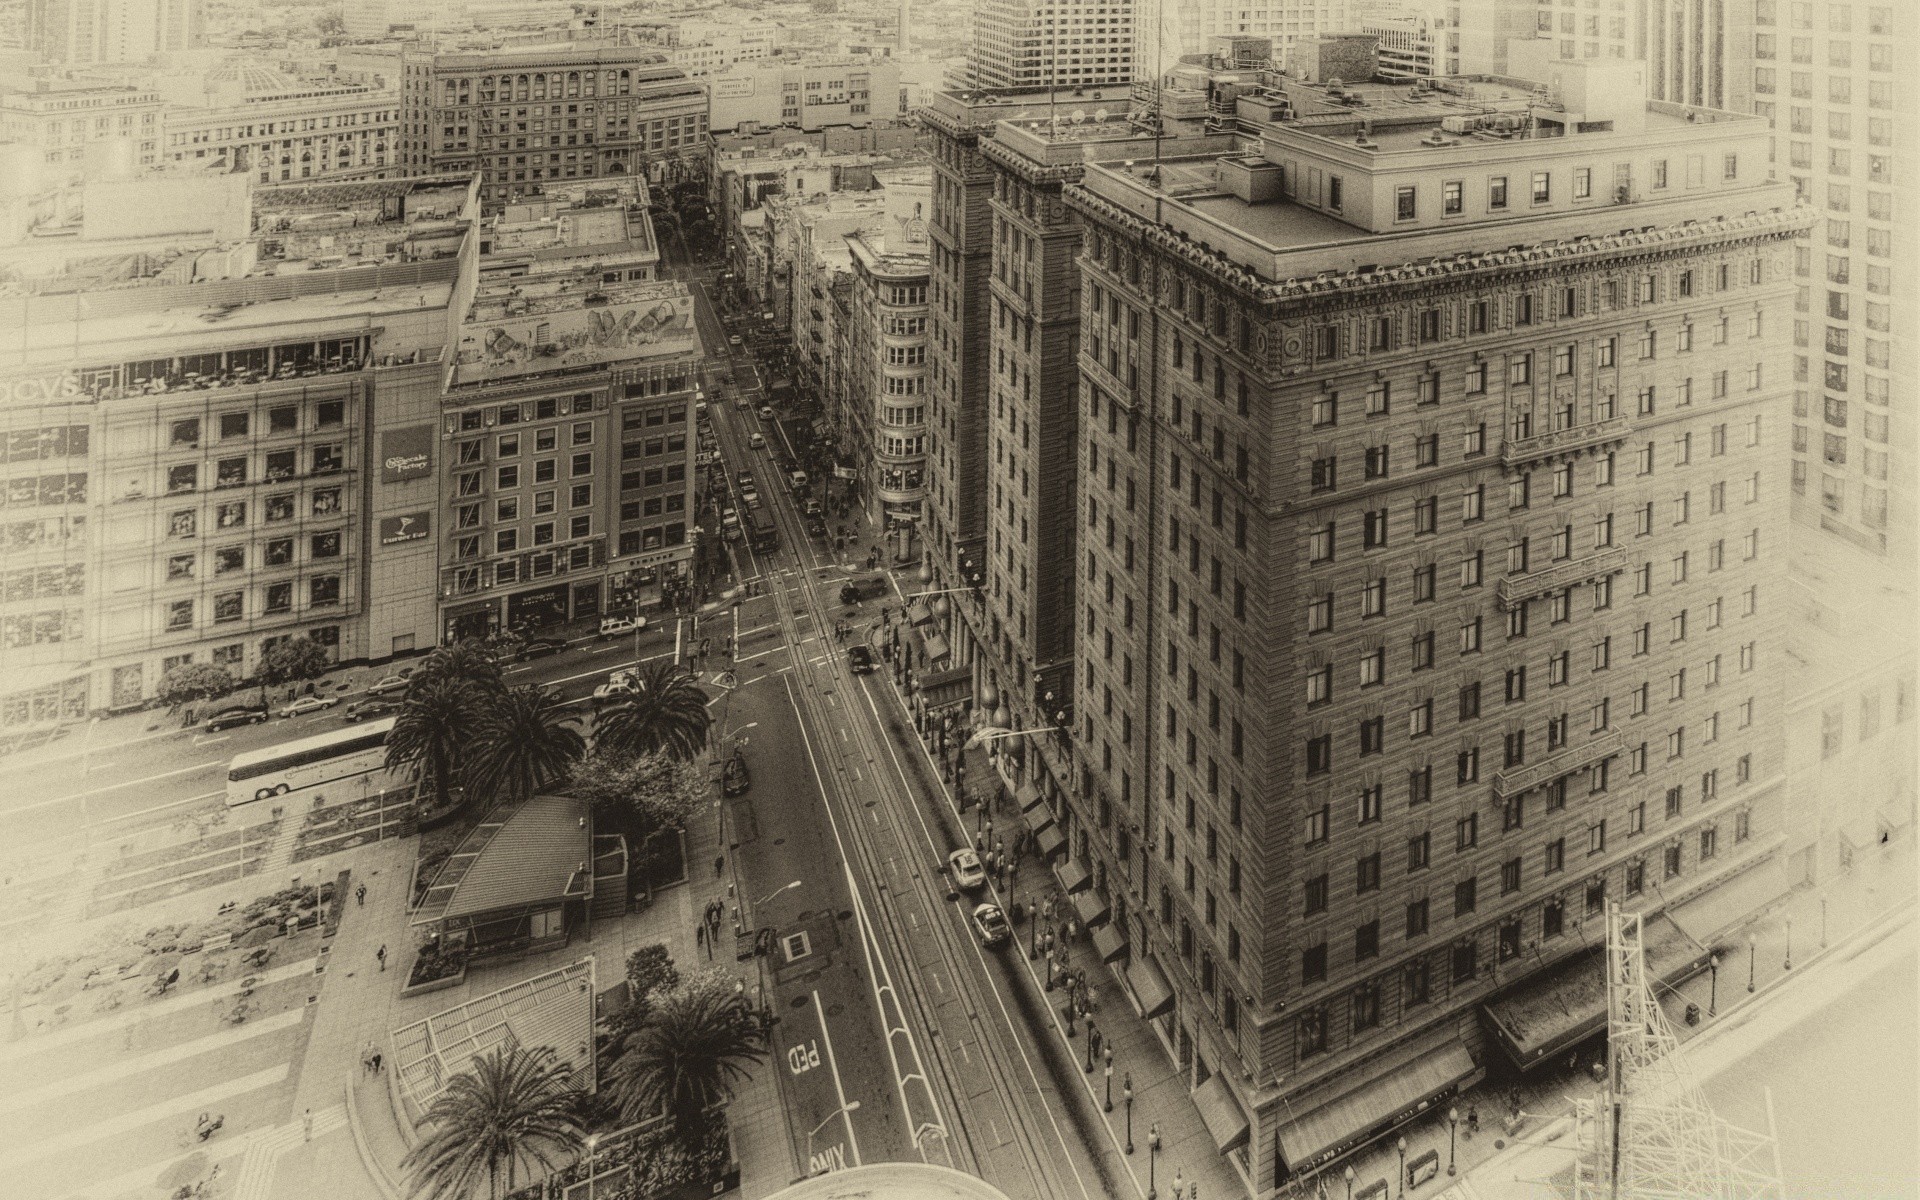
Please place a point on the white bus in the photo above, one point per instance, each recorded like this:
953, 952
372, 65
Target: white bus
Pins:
354, 757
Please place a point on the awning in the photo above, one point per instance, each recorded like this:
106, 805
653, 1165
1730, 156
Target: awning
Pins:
918, 613
1052, 841
1027, 796
936, 646
1073, 877
941, 688
1374, 1107
1566, 1004
1706, 917
1091, 906
1221, 1112
1110, 942
1037, 818
1151, 991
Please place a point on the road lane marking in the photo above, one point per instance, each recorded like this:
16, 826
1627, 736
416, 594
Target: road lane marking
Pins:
205, 1100
833, 1065
82, 1081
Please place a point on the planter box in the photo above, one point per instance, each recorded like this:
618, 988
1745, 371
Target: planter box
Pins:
435, 985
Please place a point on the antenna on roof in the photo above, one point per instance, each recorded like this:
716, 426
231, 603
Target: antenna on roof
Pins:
1159, 45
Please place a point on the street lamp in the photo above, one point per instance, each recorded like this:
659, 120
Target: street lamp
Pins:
844, 1109
1453, 1127
995, 733
1753, 948
1403, 1168
1349, 1181
593, 1140
785, 887
1179, 1184
1108, 1053
1126, 1092
1153, 1152
1713, 984
1823, 918
1092, 1033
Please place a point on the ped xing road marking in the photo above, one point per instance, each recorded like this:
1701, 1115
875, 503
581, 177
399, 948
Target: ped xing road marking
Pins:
833, 1065
804, 1057
70, 1084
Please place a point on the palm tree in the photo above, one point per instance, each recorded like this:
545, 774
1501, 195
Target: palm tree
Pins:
666, 712
434, 727
695, 1046
466, 661
513, 1110
525, 740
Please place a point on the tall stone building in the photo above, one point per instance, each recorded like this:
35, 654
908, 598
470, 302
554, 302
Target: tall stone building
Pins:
1052, 43
1430, 593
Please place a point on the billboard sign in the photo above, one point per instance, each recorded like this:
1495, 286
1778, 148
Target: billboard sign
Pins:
406, 453
653, 321
407, 527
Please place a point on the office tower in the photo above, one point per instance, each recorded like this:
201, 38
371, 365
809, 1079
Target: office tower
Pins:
1052, 43
568, 419
1453, 488
79, 33
1188, 28
885, 417
520, 116
207, 460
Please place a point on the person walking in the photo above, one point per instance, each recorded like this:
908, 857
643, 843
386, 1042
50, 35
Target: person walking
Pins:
376, 1060
381, 954
360, 895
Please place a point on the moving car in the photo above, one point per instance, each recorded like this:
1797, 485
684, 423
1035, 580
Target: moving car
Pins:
608, 693
812, 509
735, 779
766, 412
968, 874
391, 683
307, 704
730, 526
744, 478
756, 442
748, 495
734, 340
990, 924
540, 648
367, 710
859, 659
615, 626
743, 404
799, 478
227, 718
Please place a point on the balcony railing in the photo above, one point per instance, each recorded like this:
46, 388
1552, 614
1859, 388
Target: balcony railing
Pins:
1515, 780
1516, 590
1575, 439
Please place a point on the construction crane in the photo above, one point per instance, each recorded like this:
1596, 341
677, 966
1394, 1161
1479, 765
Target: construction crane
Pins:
1649, 1133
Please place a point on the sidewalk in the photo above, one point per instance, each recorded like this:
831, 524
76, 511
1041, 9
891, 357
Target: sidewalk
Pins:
362, 1005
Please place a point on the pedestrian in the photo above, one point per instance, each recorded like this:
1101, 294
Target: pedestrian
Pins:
381, 954
376, 1061
1073, 929
700, 936
360, 895
366, 1060
1473, 1120
306, 1123
719, 865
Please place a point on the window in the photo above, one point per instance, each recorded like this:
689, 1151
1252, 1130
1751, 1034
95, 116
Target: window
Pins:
1542, 187
1316, 895
1497, 192
1403, 203
1465, 897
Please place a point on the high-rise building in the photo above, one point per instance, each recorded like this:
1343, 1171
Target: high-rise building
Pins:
1694, 49
91, 32
887, 351
219, 443
1052, 43
1189, 28
1442, 594
522, 116
568, 419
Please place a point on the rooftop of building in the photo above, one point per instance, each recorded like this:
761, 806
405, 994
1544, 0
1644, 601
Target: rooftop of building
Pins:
539, 329
976, 108
595, 219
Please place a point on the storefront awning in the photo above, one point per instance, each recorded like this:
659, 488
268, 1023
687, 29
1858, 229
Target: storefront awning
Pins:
1027, 797
1707, 917
1091, 906
1566, 1004
1051, 840
1110, 942
1221, 1112
941, 688
1037, 818
1073, 877
936, 646
1374, 1107
1151, 991
918, 613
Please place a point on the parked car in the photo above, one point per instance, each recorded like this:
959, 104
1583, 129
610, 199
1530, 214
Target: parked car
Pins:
615, 626
766, 412
735, 779
367, 710
743, 478
743, 404
540, 648
812, 509
307, 704
968, 874
859, 659
391, 683
734, 340
799, 478
748, 495
817, 525
227, 718
990, 924
756, 441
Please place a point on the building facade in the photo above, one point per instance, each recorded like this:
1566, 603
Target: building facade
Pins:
1052, 43
1442, 599
887, 360
80, 33
807, 94
278, 130
193, 488
76, 130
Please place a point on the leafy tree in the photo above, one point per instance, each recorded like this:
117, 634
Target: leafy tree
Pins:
434, 727
513, 1111
695, 1047
656, 791
525, 741
293, 660
650, 972
194, 681
666, 712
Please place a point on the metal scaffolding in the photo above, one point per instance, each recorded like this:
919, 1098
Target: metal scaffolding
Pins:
1649, 1134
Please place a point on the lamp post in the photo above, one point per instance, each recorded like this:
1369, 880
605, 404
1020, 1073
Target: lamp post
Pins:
1070, 1009
1092, 1033
1713, 984
1108, 1053
785, 887
1033, 928
1126, 1093
1453, 1128
844, 1109
1349, 1182
593, 1140
1179, 1184
1823, 920
1753, 944
1402, 1187
1153, 1152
